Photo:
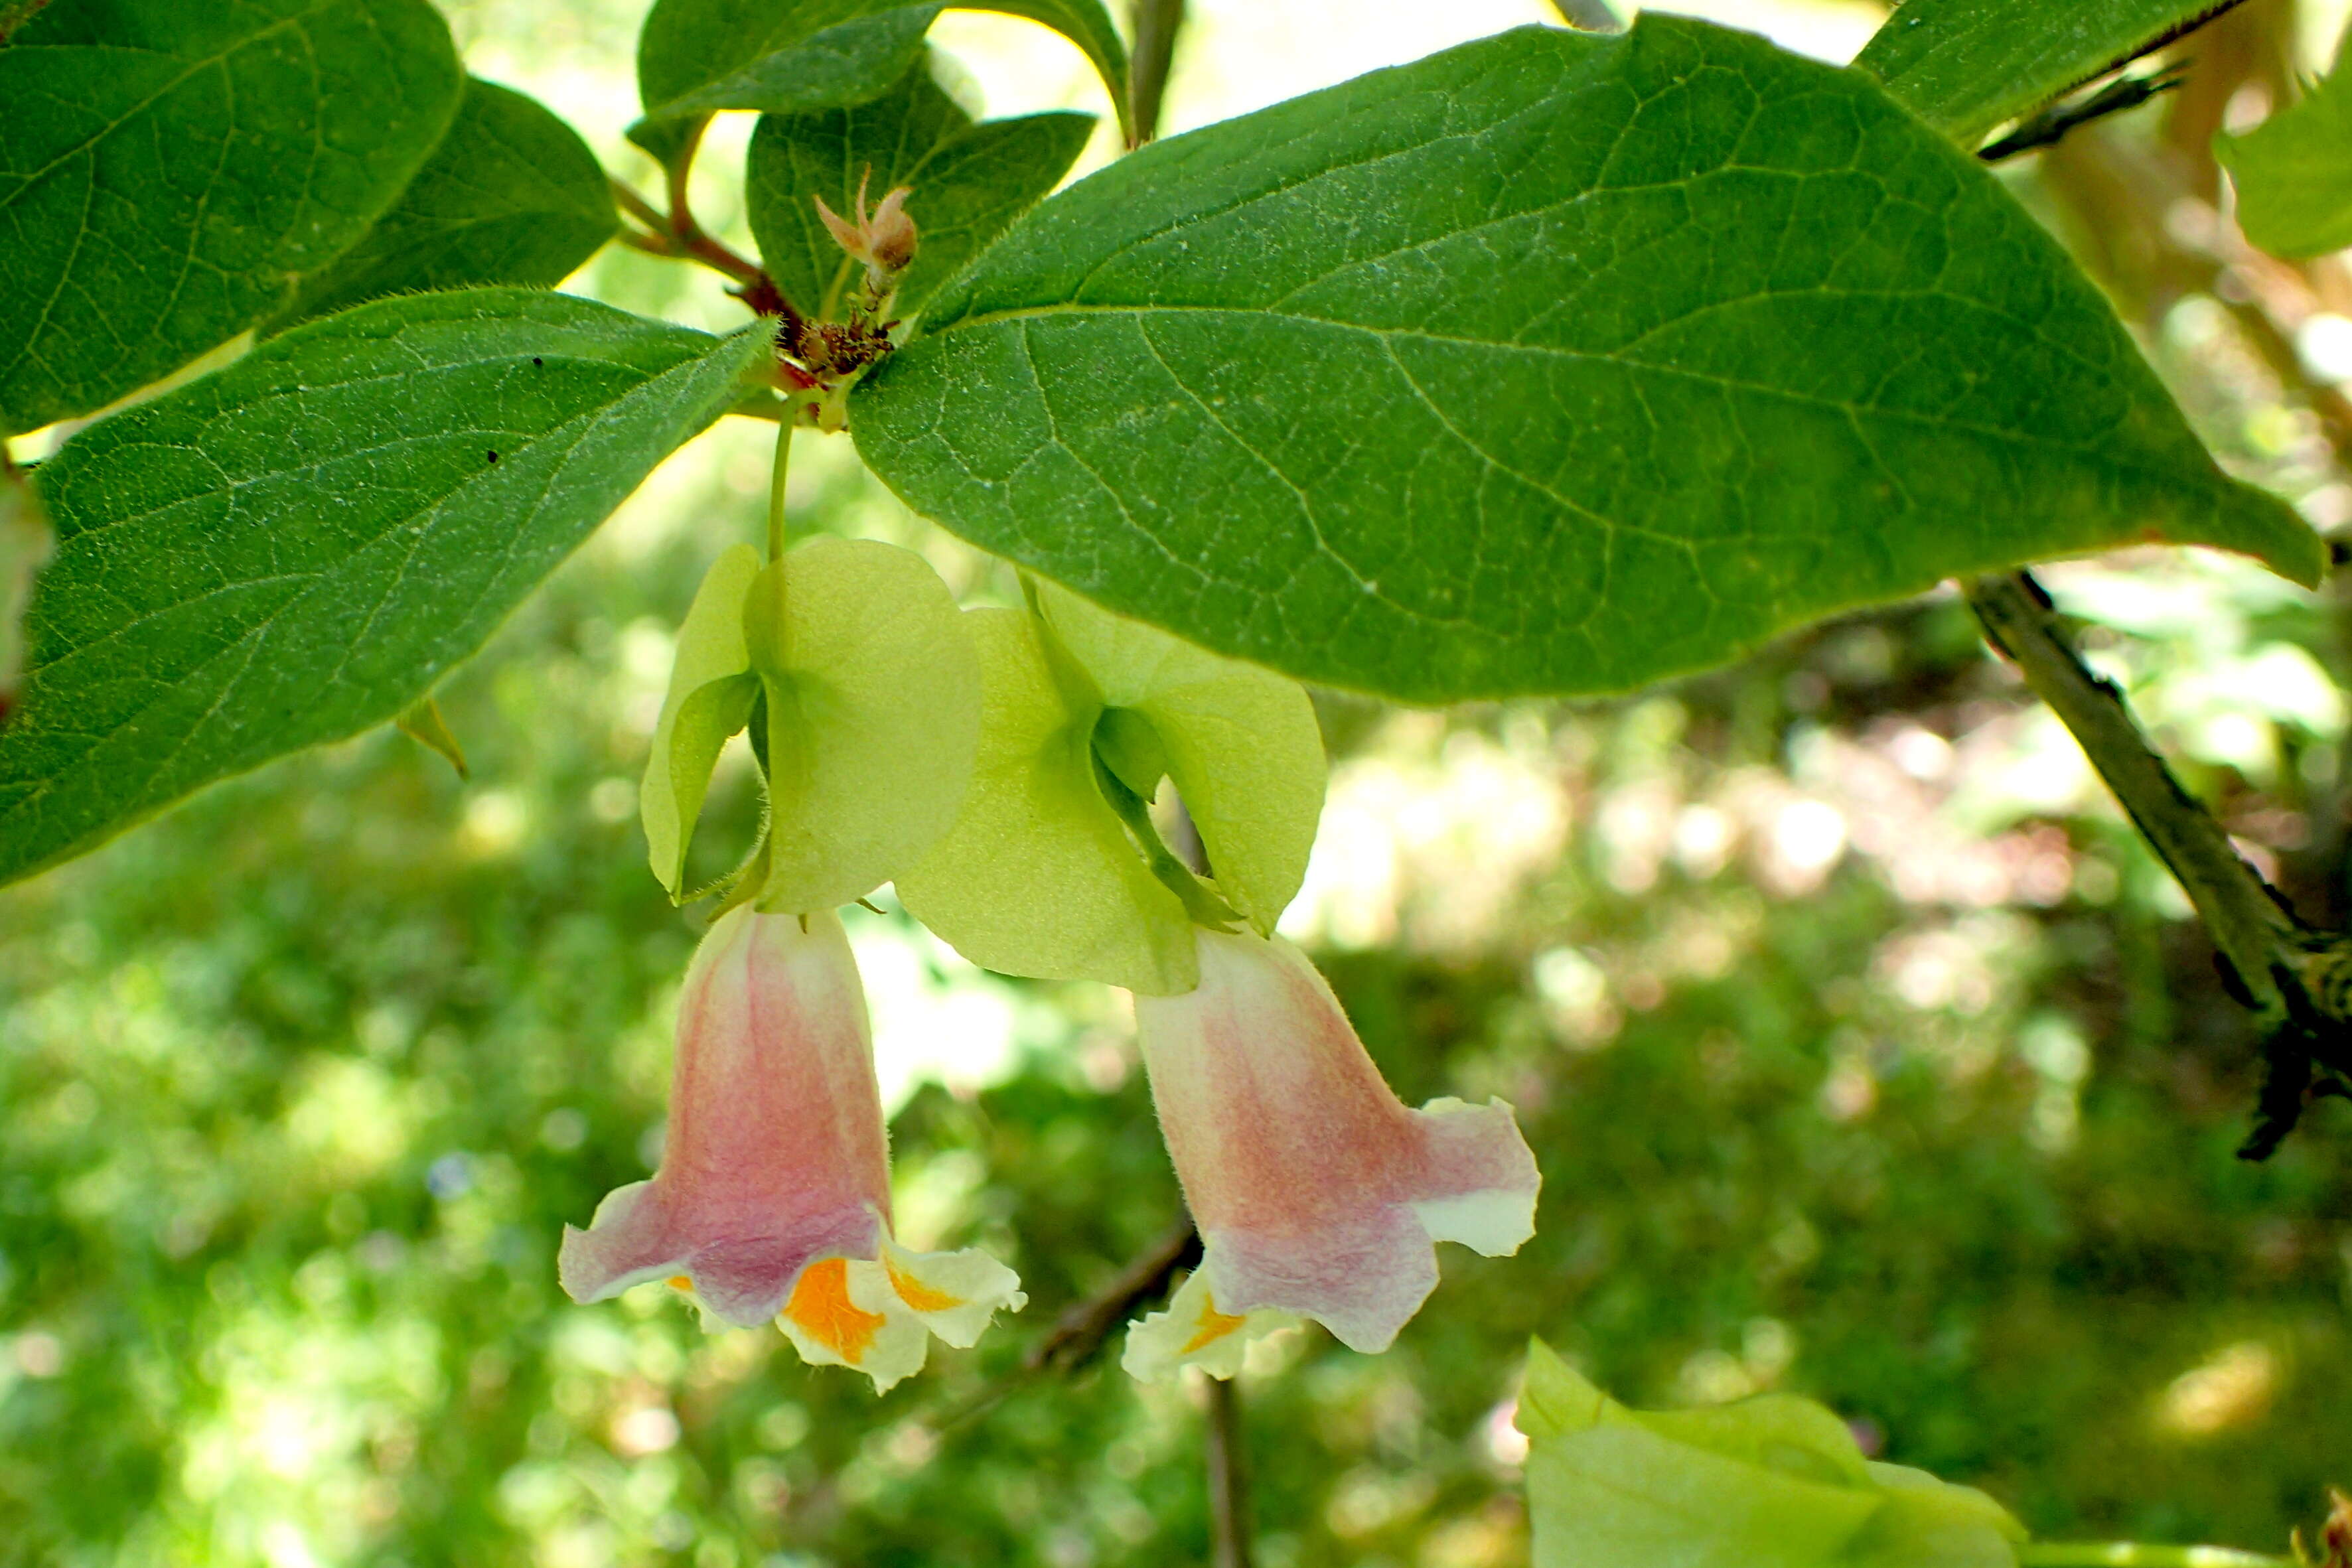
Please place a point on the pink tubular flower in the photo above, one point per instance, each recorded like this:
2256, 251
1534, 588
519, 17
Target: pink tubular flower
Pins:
773, 1197
1317, 1192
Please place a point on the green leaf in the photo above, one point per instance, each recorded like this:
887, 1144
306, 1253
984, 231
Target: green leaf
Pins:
711, 690
1555, 362
1241, 744
970, 183
294, 548
168, 171
511, 195
1036, 876
2293, 172
1769, 1482
789, 56
874, 711
1966, 66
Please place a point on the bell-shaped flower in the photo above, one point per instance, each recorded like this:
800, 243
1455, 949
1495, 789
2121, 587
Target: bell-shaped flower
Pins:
1042, 874
1769, 1482
1318, 1194
773, 1197
871, 686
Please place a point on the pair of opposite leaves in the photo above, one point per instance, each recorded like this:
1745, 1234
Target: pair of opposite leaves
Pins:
972, 758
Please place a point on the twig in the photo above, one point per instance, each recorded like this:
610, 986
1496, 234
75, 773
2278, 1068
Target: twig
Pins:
14, 14
2047, 128
1155, 24
676, 234
1079, 1335
1084, 1327
2248, 924
2298, 981
1229, 1498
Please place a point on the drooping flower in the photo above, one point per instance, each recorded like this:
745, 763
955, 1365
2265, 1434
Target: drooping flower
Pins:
1318, 1195
1769, 1482
773, 1197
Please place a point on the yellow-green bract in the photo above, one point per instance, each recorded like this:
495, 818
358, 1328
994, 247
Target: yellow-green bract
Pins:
1770, 1482
872, 693
1038, 876
2293, 172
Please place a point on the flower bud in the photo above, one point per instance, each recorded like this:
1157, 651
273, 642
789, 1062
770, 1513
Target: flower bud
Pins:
883, 239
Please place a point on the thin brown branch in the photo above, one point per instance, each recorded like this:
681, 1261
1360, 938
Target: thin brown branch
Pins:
15, 16
1228, 1463
678, 235
1079, 1335
2249, 926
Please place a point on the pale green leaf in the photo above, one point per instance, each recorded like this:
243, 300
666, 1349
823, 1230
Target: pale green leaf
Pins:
1037, 877
1769, 1482
170, 170
1241, 744
2293, 172
874, 712
788, 57
511, 195
1556, 363
711, 689
294, 548
1966, 66
969, 181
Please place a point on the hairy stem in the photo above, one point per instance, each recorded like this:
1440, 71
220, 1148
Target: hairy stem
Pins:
776, 489
1155, 24
1229, 1499
677, 234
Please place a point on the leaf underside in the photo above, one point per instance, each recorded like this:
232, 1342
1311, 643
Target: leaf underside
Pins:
169, 170
1551, 363
293, 550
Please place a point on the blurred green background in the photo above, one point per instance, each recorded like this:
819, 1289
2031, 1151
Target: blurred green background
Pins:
1866, 1053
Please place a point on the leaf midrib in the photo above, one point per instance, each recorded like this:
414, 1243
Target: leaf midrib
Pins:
2014, 436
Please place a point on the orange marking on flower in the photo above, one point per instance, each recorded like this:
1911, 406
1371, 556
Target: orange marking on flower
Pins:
822, 1307
680, 1283
922, 1298
1215, 1326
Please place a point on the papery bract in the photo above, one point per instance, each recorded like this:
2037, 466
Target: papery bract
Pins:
774, 1195
1038, 876
1317, 1192
1769, 1482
